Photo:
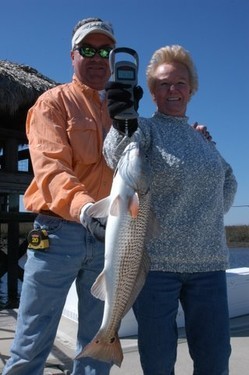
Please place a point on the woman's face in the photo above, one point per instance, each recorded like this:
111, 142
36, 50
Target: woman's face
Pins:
172, 89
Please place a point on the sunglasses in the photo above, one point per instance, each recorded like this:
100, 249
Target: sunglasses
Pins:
89, 52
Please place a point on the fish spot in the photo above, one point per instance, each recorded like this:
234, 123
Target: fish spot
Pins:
112, 340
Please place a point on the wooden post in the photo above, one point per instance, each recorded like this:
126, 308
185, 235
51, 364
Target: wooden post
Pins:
11, 157
13, 245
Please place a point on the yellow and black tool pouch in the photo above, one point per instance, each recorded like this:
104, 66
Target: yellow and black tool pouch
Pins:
38, 239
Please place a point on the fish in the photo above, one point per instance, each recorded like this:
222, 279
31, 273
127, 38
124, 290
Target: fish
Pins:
126, 262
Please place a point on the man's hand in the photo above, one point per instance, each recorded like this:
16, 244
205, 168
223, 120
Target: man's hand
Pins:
94, 225
119, 99
203, 130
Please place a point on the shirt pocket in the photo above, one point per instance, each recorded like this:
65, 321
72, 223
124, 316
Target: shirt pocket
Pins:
83, 137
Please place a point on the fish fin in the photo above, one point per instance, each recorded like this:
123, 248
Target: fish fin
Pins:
103, 350
98, 288
133, 206
115, 206
101, 208
153, 227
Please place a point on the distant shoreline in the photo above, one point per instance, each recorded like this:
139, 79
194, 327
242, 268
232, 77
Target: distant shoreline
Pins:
240, 245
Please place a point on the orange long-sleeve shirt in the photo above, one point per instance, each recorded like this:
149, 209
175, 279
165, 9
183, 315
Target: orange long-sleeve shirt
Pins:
65, 129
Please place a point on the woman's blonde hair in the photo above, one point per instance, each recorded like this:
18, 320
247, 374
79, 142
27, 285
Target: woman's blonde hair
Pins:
170, 54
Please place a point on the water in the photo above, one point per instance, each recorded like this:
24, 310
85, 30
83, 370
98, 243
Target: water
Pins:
239, 257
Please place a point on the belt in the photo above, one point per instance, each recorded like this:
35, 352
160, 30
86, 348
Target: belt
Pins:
50, 213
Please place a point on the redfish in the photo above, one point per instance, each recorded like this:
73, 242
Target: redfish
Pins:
126, 262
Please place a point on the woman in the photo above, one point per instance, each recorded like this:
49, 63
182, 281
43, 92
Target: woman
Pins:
192, 188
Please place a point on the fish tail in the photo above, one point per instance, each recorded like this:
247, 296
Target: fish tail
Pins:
103, 350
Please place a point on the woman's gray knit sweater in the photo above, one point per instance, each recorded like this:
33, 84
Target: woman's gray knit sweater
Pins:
192, 187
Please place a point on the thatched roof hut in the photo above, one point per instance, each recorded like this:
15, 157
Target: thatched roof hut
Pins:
20, 86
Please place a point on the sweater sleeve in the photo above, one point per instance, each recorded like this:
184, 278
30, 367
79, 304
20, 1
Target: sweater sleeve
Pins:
114, 145
230, 187
115, 142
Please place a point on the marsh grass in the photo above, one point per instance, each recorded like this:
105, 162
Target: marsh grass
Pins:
237, 235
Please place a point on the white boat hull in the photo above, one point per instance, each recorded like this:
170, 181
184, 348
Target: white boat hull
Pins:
238, 292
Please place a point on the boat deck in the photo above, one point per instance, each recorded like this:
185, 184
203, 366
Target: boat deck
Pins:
60, 358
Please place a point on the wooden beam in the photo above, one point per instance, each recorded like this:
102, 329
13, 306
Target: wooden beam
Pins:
20, 217
14, 182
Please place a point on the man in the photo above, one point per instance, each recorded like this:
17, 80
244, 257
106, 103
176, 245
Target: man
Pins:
65, 129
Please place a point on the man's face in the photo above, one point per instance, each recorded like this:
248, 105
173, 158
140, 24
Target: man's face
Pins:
92, 71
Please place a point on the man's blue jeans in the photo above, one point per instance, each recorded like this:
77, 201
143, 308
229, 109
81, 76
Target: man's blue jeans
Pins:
204, 300
73, 254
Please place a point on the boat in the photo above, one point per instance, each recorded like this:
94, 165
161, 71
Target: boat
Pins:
237, 288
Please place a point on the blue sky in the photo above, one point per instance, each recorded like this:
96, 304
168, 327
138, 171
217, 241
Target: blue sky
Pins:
216, 32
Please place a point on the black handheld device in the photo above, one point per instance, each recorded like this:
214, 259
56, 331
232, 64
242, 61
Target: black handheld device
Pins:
125, 71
